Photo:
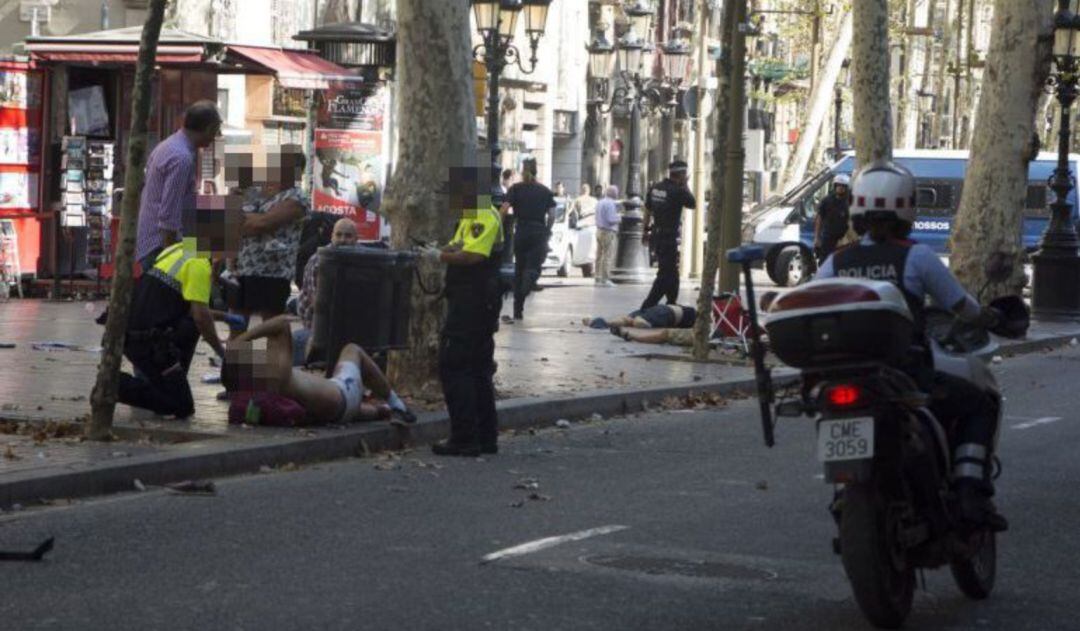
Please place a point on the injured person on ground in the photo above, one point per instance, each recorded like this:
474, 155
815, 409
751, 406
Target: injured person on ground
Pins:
261, 360
662, 324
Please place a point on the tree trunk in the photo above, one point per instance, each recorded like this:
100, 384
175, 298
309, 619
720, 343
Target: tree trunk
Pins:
337, 11
870, 80
721, 116
103, 396
937, 123
436, 119
908, 125
821, 104
731, 218
990, 217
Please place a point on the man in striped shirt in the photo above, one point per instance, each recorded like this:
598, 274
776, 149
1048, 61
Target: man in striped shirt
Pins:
169, 188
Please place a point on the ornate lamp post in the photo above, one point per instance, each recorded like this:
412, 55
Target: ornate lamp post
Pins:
636, 90
496, 22
1056, 266
838, 103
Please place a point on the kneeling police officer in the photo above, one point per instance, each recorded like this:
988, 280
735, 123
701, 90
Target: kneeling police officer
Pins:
170, 311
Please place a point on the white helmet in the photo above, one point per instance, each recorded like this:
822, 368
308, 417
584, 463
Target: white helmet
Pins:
884, 188
841, 179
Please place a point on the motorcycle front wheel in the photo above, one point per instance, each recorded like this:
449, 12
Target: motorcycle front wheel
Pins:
883, 584
975, 574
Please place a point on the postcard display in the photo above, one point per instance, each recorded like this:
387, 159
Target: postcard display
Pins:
88, 185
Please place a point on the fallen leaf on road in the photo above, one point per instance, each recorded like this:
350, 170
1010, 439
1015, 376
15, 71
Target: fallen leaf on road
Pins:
9, 454
539, 497
289, 466
517, 504
762, 485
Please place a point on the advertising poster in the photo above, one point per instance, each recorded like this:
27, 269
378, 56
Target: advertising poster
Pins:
350, 155
349, 173
20, 156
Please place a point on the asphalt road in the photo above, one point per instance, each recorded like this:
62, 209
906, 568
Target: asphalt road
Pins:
717, 533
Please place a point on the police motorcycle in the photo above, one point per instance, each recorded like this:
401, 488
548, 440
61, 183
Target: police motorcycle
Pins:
881, 446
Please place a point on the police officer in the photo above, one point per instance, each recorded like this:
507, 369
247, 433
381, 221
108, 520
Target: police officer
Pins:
664, 204
533, 206
473, 302
170, 311
831, 220
884, 197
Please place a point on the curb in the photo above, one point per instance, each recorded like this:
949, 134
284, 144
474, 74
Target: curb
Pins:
212, 459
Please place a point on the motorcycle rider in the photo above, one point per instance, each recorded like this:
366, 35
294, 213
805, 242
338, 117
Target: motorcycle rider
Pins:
883, 197
831, 220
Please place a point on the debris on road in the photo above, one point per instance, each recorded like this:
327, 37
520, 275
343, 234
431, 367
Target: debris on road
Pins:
562, 424
139, 486
527, 484
36, 555
539, 497
762, 485
193, 487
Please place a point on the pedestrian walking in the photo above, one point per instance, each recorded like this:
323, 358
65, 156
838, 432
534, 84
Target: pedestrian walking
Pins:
664, 204
271, 231
533, 205
607, 228
473, 302
170, 184
583, 209
831, 221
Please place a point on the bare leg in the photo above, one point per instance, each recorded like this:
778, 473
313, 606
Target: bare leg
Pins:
376, 381
647, 336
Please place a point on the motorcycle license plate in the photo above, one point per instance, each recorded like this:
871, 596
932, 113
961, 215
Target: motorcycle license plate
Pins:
845, 439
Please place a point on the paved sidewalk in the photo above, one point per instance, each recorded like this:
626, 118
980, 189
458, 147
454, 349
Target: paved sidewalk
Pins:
550, 365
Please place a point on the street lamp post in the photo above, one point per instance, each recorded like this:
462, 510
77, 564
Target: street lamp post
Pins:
496, 21
1056, 266
636, 91
838, 103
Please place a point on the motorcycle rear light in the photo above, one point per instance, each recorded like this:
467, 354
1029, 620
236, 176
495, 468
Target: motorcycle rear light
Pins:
824, 296
844, 396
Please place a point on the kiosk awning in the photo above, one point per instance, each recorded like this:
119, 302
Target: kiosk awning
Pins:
295, 69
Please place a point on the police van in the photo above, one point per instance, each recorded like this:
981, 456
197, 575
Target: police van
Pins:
785, 227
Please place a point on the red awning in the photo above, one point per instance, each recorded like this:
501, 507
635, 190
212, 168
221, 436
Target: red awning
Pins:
296, 69
113, 58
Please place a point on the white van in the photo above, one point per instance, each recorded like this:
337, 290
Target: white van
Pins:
570, 246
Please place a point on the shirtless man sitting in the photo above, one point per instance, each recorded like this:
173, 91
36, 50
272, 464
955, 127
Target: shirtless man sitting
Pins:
260, 360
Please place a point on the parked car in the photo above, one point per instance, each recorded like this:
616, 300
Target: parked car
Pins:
570, 245
785, 226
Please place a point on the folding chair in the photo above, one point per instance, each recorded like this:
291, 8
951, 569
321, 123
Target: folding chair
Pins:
730, 322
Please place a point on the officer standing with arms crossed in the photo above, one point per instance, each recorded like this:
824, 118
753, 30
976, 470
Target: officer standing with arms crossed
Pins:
664, 204
473, 302
533, 205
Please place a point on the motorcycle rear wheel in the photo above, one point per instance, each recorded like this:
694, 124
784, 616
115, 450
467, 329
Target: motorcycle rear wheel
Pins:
975, 575
883, 590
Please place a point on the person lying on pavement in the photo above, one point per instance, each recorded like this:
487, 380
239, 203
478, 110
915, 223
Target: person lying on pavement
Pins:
261, 360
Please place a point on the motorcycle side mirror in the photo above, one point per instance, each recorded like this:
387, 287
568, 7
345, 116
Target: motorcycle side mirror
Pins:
767, 300
999, 267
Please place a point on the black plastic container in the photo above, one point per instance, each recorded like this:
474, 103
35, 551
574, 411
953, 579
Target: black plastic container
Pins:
829, 336
363, 298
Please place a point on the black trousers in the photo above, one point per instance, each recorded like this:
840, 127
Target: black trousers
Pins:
162, 385
666, 284
971, 417
530, 250
467, 364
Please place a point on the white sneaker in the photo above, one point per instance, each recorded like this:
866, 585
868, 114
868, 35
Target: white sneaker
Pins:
608, 283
